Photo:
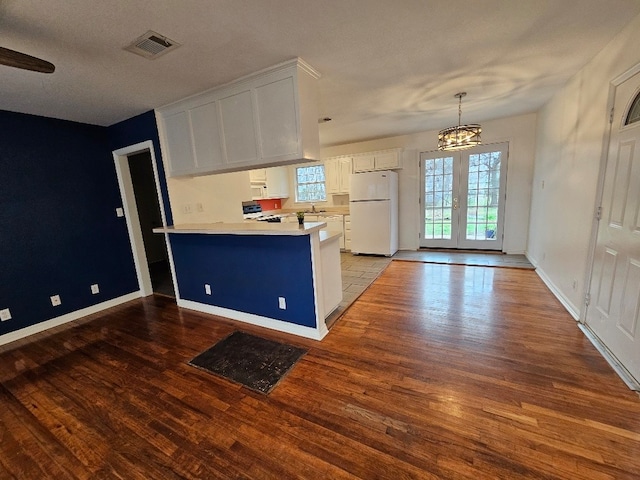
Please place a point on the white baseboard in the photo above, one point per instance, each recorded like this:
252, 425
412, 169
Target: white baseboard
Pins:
566, 303
272, 323
69, 317
622, 372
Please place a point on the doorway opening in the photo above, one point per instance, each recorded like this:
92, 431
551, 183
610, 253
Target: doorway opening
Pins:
144, 210
463, 198
150, 217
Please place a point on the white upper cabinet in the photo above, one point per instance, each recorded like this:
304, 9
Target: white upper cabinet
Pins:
178, 143
269, 183
269, 118
258, 175
207, 146
337, 171
346, 167
238, 130
382, 160
277, 182
277, 119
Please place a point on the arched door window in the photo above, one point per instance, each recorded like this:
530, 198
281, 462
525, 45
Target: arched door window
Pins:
634, 112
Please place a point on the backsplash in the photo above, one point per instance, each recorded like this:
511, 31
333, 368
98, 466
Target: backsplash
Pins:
269, 204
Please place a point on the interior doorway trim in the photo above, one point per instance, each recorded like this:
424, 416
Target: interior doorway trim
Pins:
121, 160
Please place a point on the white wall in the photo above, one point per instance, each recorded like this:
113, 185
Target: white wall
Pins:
571, 134
518, 131
221, 197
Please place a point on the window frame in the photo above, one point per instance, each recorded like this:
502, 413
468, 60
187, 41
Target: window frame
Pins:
324, 182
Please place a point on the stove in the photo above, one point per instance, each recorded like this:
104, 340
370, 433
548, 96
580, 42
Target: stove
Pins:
252, 210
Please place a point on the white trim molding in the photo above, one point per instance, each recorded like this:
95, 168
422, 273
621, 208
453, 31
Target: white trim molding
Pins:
566, 303
266, 322
69, 317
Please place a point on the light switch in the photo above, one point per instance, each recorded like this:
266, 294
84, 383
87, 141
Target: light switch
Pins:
119, 212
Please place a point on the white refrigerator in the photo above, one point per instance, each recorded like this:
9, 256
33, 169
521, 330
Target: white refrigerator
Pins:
373, 205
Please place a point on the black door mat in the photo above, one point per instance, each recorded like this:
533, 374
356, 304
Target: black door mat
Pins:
255, 362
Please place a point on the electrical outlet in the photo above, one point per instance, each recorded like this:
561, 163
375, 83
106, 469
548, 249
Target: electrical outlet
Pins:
282, 303
119, 212
207, 289
55, 300
95, 289
5, 314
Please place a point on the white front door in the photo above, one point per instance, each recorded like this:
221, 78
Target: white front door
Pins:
463, 196
614, 307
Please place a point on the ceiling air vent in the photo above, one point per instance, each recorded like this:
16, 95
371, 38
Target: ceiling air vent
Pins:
152, 45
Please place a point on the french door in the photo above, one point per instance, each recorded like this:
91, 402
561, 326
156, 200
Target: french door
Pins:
463, 196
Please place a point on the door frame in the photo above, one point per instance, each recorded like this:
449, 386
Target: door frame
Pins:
502, 206
121, 161
604, 155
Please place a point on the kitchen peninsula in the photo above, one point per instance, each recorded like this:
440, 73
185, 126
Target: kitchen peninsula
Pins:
277, 275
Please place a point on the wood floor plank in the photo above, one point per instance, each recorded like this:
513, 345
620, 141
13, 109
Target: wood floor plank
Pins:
435, 372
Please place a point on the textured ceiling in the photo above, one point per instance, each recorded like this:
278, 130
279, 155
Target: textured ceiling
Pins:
389, 67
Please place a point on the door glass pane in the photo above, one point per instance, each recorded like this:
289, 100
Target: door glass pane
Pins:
483, 194
438, 195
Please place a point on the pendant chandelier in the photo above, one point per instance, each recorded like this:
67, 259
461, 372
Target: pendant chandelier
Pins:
461, 136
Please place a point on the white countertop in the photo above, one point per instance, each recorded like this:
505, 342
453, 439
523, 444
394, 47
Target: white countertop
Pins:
326, 236
317, 214
247, 228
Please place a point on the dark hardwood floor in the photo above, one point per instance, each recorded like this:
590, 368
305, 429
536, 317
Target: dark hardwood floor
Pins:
435, 372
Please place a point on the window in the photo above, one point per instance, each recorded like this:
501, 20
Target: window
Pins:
310, 184
634, 112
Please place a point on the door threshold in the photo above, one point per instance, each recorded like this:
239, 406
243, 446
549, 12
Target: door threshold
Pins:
622, 372
460, 250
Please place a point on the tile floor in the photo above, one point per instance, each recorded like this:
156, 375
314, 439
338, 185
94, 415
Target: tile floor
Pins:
358, 272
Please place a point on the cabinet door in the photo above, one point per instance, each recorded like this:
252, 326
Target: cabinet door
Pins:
179, 146
207, 145
258, 192
332, 175
258, 175
347, 232
345, 174
277, 119
364, 163
277, 182
238, 130
387, 160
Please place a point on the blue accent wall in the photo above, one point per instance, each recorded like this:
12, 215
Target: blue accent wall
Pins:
248, 273
141, 129
59, 230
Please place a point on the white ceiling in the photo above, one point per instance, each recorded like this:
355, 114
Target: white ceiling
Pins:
389, 67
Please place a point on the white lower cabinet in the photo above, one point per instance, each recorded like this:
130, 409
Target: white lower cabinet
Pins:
335, 224
347, 232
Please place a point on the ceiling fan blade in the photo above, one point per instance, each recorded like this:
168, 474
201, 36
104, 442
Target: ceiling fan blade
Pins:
15, 59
